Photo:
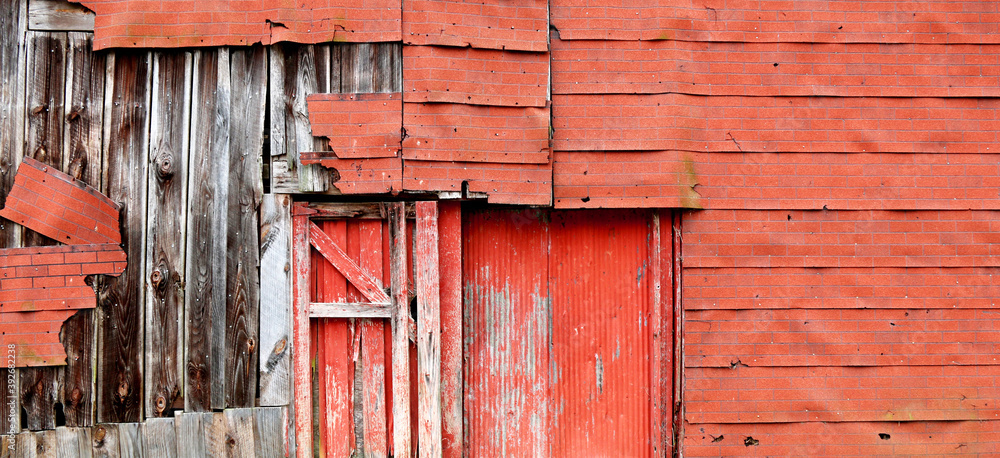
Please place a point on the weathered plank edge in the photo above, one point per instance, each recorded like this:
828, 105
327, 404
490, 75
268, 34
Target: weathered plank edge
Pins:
301, 335
401, 434
275, 300
428, 330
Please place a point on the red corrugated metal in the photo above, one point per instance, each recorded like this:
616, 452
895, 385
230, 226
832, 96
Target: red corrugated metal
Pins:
560, 356
601, 342
507, 333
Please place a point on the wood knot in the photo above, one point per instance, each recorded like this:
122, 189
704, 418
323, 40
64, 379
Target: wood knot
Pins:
165, 168
230, 441
123, 390
75, 396
280, 346
99, 433
251, 345
160, 403
156, 277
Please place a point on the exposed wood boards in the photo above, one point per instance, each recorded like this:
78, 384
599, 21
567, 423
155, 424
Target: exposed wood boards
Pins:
57, 15
428, 330
368, 286
82, 159
159, 438
677, 405
275, 299
450, 255
659, 326
74, 442
246, 140
349, 310
239, 435
45, 91
208, 188
129, 440
189, 428
38, 392
301, 336
105, 441
166, 227
12, 112
270, 431
401, 434
296, 71
119, 299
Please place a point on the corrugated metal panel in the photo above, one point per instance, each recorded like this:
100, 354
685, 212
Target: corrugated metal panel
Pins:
601, 341
559, 343
507, 331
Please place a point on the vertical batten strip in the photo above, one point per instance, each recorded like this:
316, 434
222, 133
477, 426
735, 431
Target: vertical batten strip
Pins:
450, 253
301, 335
428, 330
400, 332
275, 316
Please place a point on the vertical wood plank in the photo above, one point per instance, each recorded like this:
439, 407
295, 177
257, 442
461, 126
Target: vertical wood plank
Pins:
82, 159
357, 71
428, 330
208, 194
165, 231
296, 71
239, 434
189, 430
678, 330
401, 437
248, 87
373, 349
301, 336
74, 442
13, 66
214, 432
26, 445
275, 299
450, 254
105, 441
129, 440
85, 109
38, 397
270, 431
47, 445
658, 378
119, 299
388, 67
159, 438
12, 112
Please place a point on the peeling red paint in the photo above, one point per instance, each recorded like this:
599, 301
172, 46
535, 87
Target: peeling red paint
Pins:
172, 24
489, 24
358, 125
41, 287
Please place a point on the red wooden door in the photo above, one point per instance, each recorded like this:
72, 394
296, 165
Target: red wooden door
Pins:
565, 349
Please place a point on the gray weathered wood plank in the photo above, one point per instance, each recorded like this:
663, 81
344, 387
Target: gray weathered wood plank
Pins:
166, 227
57, 15
214, 431
270, 431
388, 73
26, 445
189, 430
275, 300
74, 442
120, 299
398, 248
13, 66
357, 68
296, 71
248, 89
349, 310
239, 435
104, 439
159, 438
205, 293
130, 440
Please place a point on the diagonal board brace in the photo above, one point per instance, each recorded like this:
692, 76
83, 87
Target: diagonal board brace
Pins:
365, 283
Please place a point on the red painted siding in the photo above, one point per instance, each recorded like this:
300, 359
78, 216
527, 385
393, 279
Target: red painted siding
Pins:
475, 76
489, 24
466, 133
358, 125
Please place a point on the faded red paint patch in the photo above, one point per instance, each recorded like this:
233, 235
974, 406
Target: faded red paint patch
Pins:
836, 394
522, 184
171, 24
475, 76
844, 439
773, 124
841, 337
792, 238
610, 180
361, 175
859, 181
839, 288
40, 287
824, 21
358, 125
465, 133
55, 205
775, 69
491, 24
